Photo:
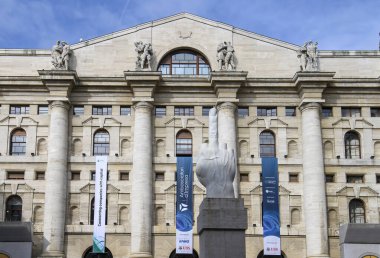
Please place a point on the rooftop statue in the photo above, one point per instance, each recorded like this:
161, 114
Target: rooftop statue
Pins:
308, 56
216, 167
225, 56
60, 55
144, 55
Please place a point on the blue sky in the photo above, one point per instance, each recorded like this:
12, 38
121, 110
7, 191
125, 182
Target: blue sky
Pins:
335, 24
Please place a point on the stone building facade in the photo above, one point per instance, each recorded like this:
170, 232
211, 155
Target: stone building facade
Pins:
322, 124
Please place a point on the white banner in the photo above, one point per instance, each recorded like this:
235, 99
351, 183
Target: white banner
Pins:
184, 242
99, 237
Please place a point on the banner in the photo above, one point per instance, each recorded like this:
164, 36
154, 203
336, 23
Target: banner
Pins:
271, 212
184, 206
99, 237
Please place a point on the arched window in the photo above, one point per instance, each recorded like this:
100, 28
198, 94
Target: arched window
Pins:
101, 143
184, 62
92, 215
18, 142
357, 211
88, 253
267, 144
174, 255
352, 145
261, 255
184, 143
13, 208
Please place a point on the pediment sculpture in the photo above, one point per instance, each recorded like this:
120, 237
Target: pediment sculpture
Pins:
226, 56
144, 56
308, 56
60, 55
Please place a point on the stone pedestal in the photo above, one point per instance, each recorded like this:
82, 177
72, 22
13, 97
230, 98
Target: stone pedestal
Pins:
221, 227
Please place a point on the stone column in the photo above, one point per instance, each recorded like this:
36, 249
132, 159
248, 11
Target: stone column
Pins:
314, 192
141, 195
227, 133
56, 181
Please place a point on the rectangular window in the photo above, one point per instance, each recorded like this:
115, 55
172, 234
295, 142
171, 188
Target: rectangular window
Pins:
266, 111
357, 179
125, 110
244, 177
160, 176
78, 110
206, 111
15, 175
183, 111
93, 174
377, 179
40, 175
375, 112
43, 109
19, 109
293, 177
329, 178
351, 112
75, 175
102, 110
160, 111
124, 175
243, 112
261, 177
326, 111
290, 111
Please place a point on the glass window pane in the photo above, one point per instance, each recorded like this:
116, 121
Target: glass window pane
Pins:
125, 110
78, 110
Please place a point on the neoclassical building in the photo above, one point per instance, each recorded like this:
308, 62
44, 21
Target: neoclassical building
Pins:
142, 96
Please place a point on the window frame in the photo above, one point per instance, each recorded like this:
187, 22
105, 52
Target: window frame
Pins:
184, 110
263, 111
125, 110
81, 110
13, 213
18, 143
184, 139
19, 109
243, 112
98, 144
293, 114
102, 110
43, 109
349, 147
351, 111
168, 62
354, 215
160, 111
266, 145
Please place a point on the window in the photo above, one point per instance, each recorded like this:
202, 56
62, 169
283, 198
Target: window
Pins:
266, 111
356, 179
124, 175
18, 142
15, 175
375, 112
19, 109
125, 110
377, 179
43, 109
93, 175
352, 145
243, 112
293, 178
267, 144
93, 210
101, 143
290, 111
102, 110
184, 62
13, 208
184, 143
160, 111
244, 177
75, 175
357, 211
329, 178
40, 175
159, 176
351, 112
184, 111
326, 112
206, 110
78, 110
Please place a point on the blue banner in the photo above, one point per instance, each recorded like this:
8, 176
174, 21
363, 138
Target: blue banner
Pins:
184, 206
271, 211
